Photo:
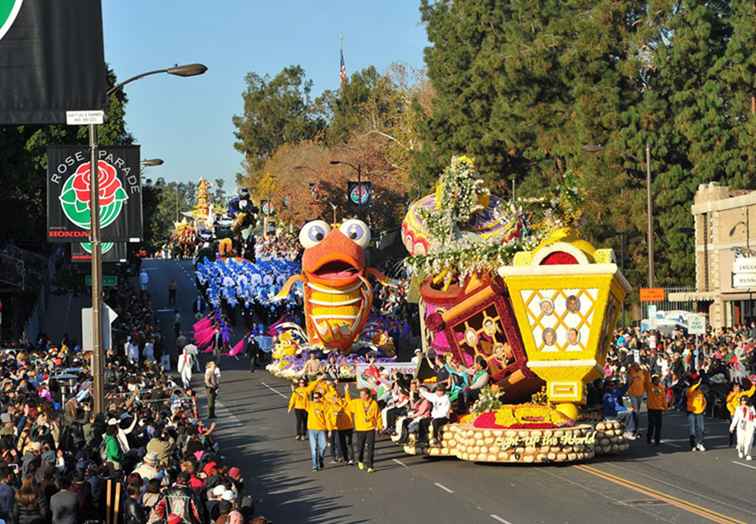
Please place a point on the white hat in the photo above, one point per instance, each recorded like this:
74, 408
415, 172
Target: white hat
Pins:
112, 422
219, 490
151, 458
228, 495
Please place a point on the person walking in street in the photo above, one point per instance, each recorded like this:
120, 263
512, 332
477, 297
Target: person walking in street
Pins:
172, 293
744, 421
253, 351
212, 384
298, 402
733, 401
637, 378
696, 405
316, 429
184, 367
367, 420
657, 405
341, 424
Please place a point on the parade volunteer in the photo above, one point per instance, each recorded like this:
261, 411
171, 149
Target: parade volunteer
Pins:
696, 405
367, 420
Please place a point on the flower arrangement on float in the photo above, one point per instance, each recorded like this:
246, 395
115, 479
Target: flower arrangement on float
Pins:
513, 284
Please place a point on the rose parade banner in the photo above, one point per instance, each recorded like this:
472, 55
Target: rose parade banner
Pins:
111, 252
68, 192
51, 60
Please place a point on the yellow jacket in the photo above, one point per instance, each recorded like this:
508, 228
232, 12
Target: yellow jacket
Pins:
696, 401
317, 418
366, 414
638, 380
733, 398
298, 398
338, 414
657, 398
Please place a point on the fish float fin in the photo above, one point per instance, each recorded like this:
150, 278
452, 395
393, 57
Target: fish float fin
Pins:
286, 289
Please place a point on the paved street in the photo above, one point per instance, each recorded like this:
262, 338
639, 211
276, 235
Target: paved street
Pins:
665, 484
161, 273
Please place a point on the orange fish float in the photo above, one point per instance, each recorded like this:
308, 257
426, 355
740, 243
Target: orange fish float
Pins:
337, 293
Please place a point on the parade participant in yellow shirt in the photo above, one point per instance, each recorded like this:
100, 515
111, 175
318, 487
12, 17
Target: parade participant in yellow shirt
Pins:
696, 405
298, 402
367, 420
733, 401
341, 426
317, 425
637, 378
657, 405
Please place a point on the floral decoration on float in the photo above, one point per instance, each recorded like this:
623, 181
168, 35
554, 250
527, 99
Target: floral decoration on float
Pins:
520, 289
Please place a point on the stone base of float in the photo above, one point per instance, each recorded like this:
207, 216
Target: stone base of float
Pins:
525, 446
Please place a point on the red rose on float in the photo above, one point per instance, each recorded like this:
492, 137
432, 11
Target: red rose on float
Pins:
107, 179
434, 322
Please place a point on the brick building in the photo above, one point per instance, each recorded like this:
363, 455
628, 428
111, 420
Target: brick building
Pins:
725, 228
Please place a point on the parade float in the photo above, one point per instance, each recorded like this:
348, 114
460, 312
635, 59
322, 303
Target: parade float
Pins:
520, 289
337, 298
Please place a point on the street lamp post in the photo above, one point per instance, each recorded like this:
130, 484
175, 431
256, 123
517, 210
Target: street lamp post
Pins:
94, 235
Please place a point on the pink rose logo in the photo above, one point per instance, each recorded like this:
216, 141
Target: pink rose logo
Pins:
107, 178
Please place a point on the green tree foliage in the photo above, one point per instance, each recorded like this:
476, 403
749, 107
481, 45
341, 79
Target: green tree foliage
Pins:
163, 203
219, 195
531, 89
277, 110
23, 166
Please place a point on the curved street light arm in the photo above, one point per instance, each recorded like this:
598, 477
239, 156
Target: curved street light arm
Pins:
132, 79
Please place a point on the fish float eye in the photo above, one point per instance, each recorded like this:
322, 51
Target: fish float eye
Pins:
357, 231
313, 232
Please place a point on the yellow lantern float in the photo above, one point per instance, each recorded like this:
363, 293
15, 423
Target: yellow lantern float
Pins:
566, 296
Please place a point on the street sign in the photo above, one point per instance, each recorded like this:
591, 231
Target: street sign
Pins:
84, 118
744, 273
744, 280
107, 280
111, 252
359, 193
697, 324
68, 193
652, 294
106, 319
651, 316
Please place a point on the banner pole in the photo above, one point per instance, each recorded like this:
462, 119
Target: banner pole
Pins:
94, 208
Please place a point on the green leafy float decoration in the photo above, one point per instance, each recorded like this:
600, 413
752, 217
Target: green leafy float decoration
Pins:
460, 196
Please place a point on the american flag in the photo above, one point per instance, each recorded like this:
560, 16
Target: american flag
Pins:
342, 69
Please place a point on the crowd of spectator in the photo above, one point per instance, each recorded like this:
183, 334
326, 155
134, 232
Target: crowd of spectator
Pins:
148, 458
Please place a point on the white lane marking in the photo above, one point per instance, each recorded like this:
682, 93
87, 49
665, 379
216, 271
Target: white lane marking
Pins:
441, 486
744, 465
499, 519
165, 310
402, 464
275, 391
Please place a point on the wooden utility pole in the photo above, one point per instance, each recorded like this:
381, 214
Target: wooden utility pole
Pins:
650, 212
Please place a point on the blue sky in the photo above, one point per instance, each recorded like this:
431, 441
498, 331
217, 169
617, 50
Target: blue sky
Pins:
187, 121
